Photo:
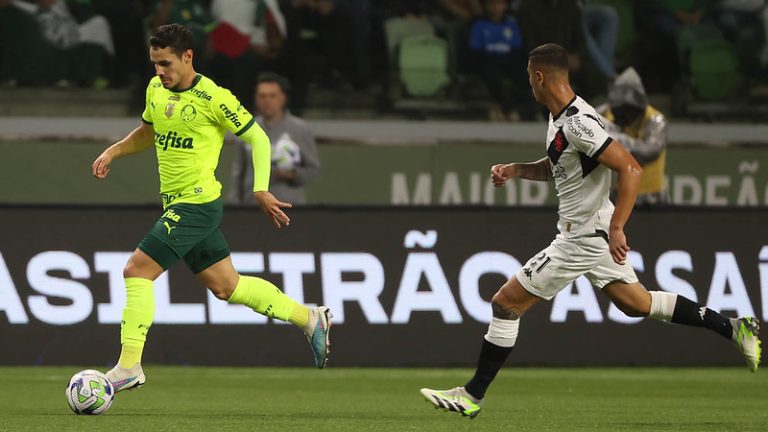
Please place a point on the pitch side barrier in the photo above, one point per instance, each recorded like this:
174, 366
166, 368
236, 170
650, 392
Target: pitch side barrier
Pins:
408, 286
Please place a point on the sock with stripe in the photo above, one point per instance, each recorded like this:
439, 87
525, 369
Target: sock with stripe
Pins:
265, 298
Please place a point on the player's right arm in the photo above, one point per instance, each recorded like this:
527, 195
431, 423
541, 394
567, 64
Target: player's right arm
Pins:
139, 139
541, 170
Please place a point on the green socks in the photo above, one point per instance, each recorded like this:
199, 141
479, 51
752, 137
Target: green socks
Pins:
137, 318
267, 299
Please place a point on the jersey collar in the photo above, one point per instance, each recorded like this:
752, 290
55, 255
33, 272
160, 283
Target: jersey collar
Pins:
554, 118
198, 77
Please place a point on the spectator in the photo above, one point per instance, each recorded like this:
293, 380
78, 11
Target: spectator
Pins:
642, 129
454, 24
330, 48
497, 42
744, 23
668, 30
193, 14
126, 22
560, 22
295, 159
601, 30
247, 39
85, 48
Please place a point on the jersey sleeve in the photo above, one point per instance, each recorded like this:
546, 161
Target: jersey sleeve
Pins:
231, 114
587, 134
146, 116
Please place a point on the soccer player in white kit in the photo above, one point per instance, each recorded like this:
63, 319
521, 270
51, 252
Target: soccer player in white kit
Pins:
591, 240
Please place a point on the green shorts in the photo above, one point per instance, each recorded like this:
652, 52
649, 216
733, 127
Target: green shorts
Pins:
190, 232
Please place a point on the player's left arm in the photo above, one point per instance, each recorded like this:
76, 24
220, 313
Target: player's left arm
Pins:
231, 114
618, 159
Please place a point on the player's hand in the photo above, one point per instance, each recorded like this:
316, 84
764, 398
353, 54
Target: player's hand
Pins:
617, 243
500, 173
100, 166
273, 208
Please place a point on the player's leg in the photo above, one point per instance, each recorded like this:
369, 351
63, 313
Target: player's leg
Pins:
138, 314
635, 301
509, 303
212, 265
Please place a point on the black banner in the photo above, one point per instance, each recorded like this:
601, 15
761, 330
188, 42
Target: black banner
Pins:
407, 286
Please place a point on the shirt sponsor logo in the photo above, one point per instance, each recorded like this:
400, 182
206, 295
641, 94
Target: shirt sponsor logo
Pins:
231, 116
173, 140
579, 129
200, 93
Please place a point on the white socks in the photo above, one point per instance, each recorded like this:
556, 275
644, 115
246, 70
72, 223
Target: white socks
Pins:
502, 332
662, 305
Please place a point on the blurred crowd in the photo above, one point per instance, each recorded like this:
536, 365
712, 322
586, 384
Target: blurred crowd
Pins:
360, 44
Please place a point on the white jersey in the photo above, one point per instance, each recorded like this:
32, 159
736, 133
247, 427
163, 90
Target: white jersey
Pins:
575, 139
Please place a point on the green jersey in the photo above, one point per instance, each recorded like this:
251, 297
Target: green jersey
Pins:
189, 133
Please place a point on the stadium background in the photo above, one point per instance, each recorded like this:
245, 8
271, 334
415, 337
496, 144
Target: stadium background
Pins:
395, 163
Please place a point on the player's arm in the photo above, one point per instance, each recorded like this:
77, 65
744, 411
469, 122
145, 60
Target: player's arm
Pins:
541, 170
618, 159
262, 163
139, 139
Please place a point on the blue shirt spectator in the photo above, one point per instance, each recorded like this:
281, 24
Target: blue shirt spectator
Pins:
492, 37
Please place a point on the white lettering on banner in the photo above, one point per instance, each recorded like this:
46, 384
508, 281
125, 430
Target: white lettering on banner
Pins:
727, 273
422, 193
763, 280
410, 299
583, 300
112, 263
451, 193
684, 184
78, 294
748, 189
174, 313
667, 281
366, 292
469, 280
10, 303
614, 313
518, 191
713, 184
221, 312
358, 277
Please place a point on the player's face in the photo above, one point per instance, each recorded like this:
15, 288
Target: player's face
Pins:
171, 68
270, 99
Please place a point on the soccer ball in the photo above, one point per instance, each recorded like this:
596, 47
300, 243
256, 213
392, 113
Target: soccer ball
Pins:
89, 392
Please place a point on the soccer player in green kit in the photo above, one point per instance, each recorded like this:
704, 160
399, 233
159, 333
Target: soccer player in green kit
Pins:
186, 117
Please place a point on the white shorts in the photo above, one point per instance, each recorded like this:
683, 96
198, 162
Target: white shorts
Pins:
565, 259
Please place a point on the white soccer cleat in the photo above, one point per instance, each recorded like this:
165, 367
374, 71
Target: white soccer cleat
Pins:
746, 336
126, 379
456, 399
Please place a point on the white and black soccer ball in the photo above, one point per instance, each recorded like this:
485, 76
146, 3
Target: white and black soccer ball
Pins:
89, 392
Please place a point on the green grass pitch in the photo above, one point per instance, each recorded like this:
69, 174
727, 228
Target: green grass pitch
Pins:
281, 399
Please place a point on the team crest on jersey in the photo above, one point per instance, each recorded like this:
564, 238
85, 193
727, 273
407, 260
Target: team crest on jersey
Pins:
557, 146
188, 113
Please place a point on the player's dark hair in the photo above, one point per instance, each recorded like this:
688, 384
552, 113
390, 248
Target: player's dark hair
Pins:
271, 77
175, 36
549, 55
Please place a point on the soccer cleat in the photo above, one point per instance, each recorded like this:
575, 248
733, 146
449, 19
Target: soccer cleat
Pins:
746, 332
456, 399
319, 336
126, 379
